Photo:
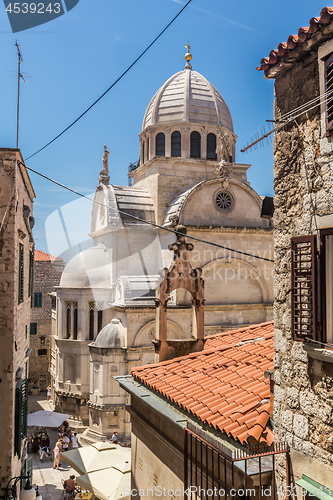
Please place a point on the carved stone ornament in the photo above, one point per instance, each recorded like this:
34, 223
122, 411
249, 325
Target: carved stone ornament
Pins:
104, 177
226, 145
223, 170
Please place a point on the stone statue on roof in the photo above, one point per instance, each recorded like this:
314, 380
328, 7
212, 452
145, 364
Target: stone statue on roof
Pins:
104, 177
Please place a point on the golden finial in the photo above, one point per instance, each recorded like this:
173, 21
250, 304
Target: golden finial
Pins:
188, 56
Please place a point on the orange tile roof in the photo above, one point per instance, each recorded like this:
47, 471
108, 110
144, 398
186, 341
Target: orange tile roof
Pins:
316, 25
224, 384
45, 257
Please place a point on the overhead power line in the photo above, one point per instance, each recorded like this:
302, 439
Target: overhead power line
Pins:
111, 86
142, 220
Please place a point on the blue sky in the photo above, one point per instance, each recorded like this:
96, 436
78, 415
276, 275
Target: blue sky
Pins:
75, 58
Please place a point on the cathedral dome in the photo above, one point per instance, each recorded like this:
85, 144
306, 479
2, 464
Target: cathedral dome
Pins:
188, 97
111, 335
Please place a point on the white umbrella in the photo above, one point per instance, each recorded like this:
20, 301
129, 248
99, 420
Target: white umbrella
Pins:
98, 456
44, 418
107, 484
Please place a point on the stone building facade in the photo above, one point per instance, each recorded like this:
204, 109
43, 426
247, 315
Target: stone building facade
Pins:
16, 264
303, 220
47, 274
188, 176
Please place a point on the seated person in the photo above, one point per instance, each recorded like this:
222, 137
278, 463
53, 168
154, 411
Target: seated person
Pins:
70, 486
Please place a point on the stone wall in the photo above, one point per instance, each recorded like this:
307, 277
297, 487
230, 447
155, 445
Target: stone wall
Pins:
15, 191
303, 185
46, 276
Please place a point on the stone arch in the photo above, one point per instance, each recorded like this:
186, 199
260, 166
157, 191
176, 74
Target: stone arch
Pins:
147, 333
70, 375
242, 270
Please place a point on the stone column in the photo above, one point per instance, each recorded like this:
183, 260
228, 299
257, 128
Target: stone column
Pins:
204, 145
186, 144
168, 143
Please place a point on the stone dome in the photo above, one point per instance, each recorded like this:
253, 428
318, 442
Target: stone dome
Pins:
111, 335
187, 96
88, 269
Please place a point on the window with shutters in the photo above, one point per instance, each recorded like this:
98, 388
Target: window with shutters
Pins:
27, 470
21, 409
31, 271
38, 299
195, 145
21, 274
176, 144
33, 328
329, 95
304, 287
160, 144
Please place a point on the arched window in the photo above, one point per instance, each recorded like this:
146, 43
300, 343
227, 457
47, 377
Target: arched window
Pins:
160, 144
176, 144
195, 145
143, 151
148, 149
211, 147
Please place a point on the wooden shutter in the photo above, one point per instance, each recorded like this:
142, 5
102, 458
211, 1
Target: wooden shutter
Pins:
21, 274
303, 287
21, 415
329, 87
27, 470
31, 271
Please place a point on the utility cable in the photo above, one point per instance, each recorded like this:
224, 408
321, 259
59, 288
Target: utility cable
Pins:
142, 220
111, 86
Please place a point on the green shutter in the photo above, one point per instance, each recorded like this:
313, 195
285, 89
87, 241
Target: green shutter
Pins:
27, 470
21, 274
21, 410
33, 328
31, 271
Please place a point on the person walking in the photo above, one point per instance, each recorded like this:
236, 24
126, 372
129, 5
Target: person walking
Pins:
48, 393
56, 452
75, 441
65, 443
114, 438
69, 435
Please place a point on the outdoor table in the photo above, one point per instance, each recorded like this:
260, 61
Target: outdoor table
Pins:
84, 496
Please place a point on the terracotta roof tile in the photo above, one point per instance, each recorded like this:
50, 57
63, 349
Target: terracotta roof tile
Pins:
304, 34
224, 384
40, 256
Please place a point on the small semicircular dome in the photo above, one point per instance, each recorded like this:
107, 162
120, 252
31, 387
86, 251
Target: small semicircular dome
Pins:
111, 335
188, 97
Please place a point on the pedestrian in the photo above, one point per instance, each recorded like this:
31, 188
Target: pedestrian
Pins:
48, 393
75, 441
114, 437
69, 435
56, 452
65, 443
61, 430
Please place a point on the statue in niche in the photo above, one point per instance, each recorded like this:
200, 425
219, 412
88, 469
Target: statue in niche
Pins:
104, 177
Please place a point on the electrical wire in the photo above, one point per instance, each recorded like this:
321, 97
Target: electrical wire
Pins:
111, 86
320, 97
142, 220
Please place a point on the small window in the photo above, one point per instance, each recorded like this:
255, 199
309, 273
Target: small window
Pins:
148, 149
75, 323
21, 274
143, 151
99, 320
68, 321
38, 299
91, 320
195, 145
160, 144
176, 144
33, 328
211, 147
42, 352
329, 88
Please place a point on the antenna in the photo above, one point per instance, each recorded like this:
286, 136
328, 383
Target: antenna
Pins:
19, 76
